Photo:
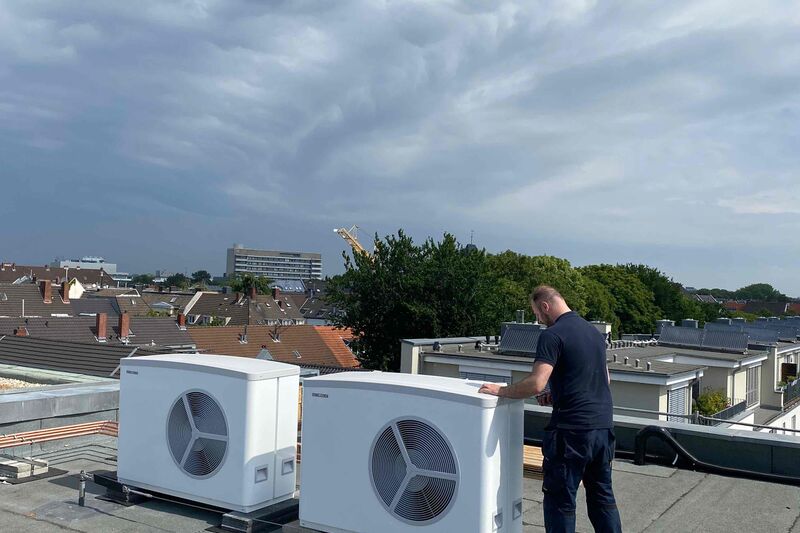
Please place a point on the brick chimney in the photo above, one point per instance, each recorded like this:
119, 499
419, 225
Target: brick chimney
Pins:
252, 292
47, 291
21, 332
65, 292
124, 325
276, 292
102, 320
181, 320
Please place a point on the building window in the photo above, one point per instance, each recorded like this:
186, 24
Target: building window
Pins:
677, 404
753, 374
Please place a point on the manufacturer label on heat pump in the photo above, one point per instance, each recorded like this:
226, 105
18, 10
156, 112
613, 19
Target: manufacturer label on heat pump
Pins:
319, 395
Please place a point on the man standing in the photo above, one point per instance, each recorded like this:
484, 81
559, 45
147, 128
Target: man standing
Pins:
579, 440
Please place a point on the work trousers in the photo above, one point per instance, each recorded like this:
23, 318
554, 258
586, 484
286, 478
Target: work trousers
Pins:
572, 456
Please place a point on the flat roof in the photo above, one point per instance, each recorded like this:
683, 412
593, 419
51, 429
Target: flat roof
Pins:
650, 498
644, 352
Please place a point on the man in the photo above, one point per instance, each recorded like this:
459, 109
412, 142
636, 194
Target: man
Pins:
579, 440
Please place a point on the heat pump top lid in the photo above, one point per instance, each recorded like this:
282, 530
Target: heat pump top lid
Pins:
240, 367
461, 390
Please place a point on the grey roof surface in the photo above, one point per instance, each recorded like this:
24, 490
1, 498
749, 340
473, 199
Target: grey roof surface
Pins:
93, 306
221, 305
644, 352
89, 278
651, 499
92, 359
657, 367
178, 301
264, 309
145, 331
11, 297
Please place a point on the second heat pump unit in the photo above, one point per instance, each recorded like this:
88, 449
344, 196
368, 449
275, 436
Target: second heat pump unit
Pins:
400, 453
209, 428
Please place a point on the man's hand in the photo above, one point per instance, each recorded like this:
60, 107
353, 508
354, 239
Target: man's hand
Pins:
491, 388
545, 399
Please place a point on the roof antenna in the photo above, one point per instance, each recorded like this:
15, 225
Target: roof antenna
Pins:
471, 235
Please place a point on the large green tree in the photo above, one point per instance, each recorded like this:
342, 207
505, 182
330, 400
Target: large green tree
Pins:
201, 277
177, 280
633, 302
761, 291
243, 282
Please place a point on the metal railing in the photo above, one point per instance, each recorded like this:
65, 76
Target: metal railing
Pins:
791, 391
737, 407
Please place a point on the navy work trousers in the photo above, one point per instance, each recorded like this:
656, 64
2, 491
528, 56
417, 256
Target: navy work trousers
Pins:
572, 456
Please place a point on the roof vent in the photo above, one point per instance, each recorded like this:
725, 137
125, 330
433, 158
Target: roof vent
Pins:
437, 346
649, 366
615, 358
626, 360
636, 363
460, 348
296, 354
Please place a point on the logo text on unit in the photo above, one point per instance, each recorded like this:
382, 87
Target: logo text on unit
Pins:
319, 395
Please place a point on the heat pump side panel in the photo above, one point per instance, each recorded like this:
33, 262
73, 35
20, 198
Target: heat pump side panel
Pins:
339, 428
286, 436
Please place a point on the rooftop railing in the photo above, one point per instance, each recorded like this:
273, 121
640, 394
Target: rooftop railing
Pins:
791, 391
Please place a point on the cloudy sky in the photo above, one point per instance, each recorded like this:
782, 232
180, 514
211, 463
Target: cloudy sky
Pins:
159, 133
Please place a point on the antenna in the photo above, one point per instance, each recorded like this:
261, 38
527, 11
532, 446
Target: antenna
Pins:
471, 235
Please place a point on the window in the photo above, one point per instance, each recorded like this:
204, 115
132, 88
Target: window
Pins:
753, 375
677, 404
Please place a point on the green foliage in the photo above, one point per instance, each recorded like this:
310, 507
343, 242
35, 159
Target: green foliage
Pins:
600, 304
407, 290
243, 282
201, 277
711, 402
633, 301
761, 291
178, 280
142, 279
723, 294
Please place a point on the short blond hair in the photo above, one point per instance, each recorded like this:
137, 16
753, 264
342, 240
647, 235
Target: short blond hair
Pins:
544, 293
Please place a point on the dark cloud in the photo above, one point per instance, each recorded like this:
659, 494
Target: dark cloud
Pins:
598, 131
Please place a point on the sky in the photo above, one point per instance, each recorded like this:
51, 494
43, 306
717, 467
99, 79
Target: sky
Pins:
157, 134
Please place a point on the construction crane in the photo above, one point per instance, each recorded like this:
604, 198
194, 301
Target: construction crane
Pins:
349, 235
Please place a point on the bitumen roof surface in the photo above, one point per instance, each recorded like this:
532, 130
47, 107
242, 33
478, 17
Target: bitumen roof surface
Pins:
651, 499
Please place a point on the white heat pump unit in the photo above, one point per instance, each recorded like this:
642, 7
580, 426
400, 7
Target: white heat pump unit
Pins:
215, 429
386, 452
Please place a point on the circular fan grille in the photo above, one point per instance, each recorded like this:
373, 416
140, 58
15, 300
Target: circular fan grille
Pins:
197, 434
413, 471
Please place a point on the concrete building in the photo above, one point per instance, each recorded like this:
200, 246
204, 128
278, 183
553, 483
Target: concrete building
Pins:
274, 264
88, 262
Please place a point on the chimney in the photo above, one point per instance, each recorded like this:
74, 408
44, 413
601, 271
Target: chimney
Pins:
251, 292
181, 320
124, 325
65, 292
276, 292
21, 332
102, 319
46, 291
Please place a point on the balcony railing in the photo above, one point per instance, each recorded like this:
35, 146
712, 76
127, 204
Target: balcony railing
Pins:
737, 407
791, 391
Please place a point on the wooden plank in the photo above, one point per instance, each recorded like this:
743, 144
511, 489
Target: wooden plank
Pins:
532, 459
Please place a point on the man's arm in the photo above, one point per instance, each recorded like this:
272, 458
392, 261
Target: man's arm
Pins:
532, 385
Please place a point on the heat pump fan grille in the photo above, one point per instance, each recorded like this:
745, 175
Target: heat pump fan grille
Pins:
197, 434
413, 470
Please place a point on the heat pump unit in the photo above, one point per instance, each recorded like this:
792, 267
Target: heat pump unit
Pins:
215, 429
385, 452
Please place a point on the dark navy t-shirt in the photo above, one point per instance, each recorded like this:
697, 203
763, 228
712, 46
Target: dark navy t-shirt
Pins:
579, 382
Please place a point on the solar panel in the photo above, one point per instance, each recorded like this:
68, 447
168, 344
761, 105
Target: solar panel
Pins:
520, 339
719, 326
761, 335
728, 341
680, 336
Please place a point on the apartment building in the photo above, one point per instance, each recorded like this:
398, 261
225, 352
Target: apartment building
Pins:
274, 264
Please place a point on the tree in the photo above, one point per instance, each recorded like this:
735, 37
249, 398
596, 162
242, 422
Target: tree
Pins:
529, 271
600, 304
243, 282
633, 301
405, 290
761, 291
201, 277
142, 279
177, 280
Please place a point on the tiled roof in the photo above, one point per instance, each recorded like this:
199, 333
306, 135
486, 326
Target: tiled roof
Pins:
144, 331
221, 305
178, 301
91, 359
265, 308
89, 278
93, 306
11, 297
776, 308
315, 345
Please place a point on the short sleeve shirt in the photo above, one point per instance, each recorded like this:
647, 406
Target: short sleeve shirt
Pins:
579, 382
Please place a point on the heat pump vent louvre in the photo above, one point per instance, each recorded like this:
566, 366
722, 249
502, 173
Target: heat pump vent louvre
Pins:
197, 434
414, 471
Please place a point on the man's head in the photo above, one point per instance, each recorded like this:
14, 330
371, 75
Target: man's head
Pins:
548, 304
